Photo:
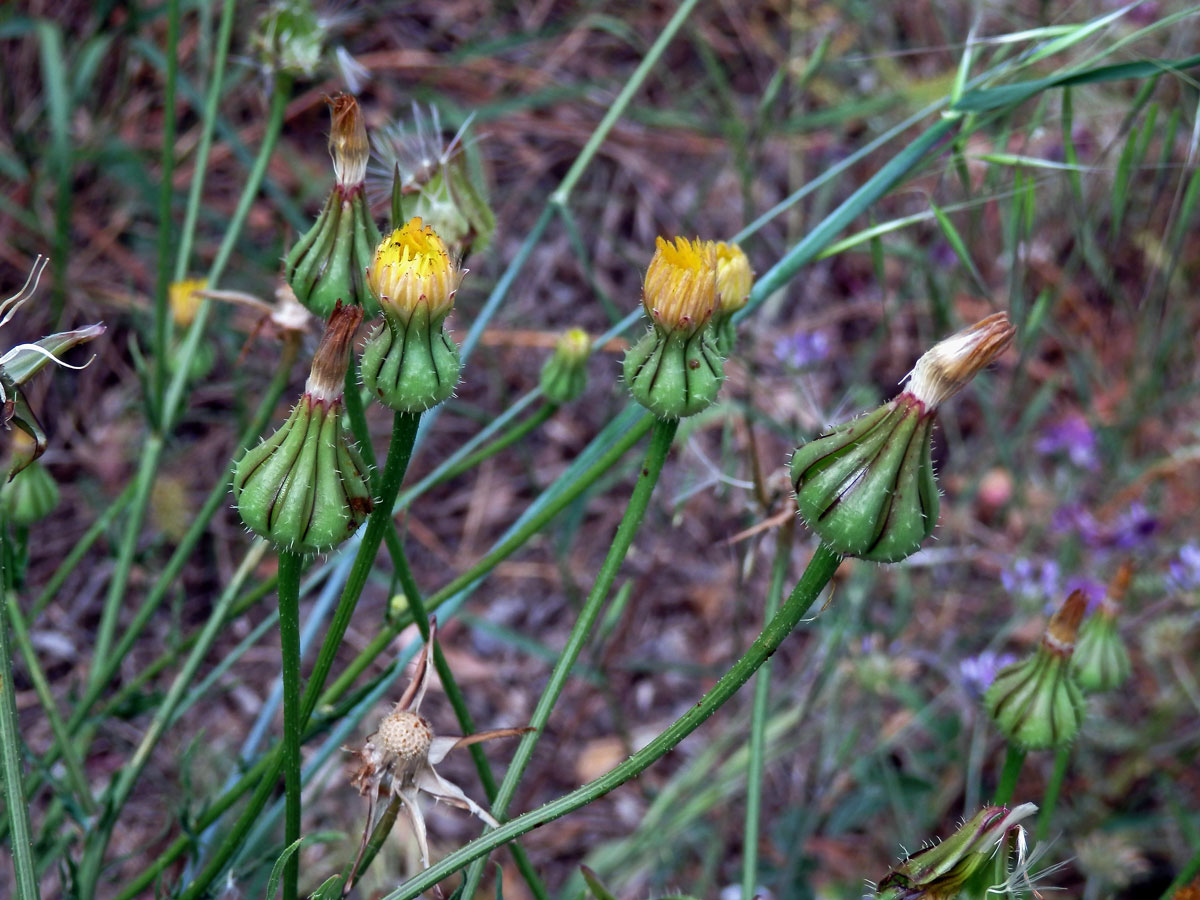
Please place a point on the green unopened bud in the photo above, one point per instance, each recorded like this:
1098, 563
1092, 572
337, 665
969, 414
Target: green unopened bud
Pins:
329, 263
675, 369
565, 374
32, 493
455, 208
941, 871
410, 363
867, 487
1036, 702
734, 280
1100, 661
290, 38
305, 487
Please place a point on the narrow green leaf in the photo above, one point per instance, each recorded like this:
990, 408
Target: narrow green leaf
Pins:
277, 869
958, 245
595, 885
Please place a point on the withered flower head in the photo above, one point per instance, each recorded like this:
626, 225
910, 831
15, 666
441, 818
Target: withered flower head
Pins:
348, 143
327, 377
945, 369
400, 757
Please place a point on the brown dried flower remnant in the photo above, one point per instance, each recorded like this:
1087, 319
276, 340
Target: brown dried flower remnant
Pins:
948, 366
400, 757
348, 143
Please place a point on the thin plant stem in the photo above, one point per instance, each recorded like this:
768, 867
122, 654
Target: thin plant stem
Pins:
758, 720
404, 433
1062, 759
20, 832
1014, 758
656, 455
820, 570
114, 801
1190, 870
291, 565
71, 758
162, 321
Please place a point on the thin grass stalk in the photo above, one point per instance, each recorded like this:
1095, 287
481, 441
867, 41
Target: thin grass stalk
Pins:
758, 720
635, 512
115, 799
75, 776
404, 432
816, 576
20, 838
208, 120
152, 451
162, 313
1062, 759
506, 440
291, 565
1014, 759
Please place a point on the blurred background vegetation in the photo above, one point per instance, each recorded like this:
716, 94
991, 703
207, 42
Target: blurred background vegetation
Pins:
1074, 209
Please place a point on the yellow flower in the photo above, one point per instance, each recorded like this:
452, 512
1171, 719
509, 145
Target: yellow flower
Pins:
185, 299
734, 277
680, 292
413, 267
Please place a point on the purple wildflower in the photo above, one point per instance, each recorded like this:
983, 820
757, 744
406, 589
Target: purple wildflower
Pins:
802, 349
1183, 573
977, 673
1094, 591
1072, 435
1031, 579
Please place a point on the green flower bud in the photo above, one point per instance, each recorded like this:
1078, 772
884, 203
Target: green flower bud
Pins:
675, 369
31, 495
1100, 661
867, 487
940, 871
1036, 702
329, 263
565, 374
305, 487
410, 363
290, 38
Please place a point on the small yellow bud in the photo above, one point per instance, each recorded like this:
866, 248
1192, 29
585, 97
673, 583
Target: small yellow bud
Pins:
945, 369
412, 267
734, 278
348, 141
185, 298
680, 291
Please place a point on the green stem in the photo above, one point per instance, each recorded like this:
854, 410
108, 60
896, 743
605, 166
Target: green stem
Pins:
41, 685
1050, 799
758, 720
820, 569
378, 835
1014, 758
498, 554
291, 565
114, 801
162, 313
20, 832
639, 500
1190, 870
404, 433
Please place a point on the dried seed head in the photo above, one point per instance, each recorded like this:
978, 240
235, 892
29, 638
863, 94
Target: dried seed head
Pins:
406, 734
680, 291
327, 378
946, 368
412, 267
348, 142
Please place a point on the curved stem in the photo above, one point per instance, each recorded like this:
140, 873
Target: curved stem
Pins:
656, 456
820, 569
1053, 788
510, 437
291, 565
1014, 758
758, 720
